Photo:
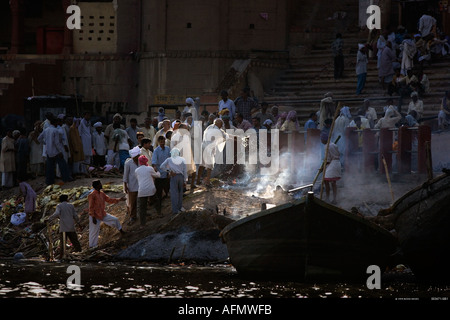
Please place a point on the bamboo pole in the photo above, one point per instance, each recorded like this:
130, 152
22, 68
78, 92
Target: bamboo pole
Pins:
387, 177
336, 114
63, 253
171, 254
50, 244
321, 167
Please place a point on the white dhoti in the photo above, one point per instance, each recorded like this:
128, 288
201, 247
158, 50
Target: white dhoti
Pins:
66, 158
8, 179
113, 158
209, 156
94, 229
333, 170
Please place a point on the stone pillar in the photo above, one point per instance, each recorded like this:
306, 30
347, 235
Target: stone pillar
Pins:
312, 150
68, 34
17, 13
423, 137
369, 149
296, 145
386, 141
404, 150
351, 156
385, 6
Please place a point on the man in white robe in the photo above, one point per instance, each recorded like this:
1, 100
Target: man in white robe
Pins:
409, 50
426, 25
85, 130
214, 139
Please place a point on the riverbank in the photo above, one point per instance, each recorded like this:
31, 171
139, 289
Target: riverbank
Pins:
191, 236
195, 231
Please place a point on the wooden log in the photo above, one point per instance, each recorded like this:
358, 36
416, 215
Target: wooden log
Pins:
387, 177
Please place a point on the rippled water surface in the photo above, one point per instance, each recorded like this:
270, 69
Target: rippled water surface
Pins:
119, 280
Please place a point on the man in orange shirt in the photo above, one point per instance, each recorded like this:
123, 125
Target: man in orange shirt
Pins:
97, 213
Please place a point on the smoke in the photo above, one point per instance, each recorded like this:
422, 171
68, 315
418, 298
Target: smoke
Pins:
294, 170
366, 191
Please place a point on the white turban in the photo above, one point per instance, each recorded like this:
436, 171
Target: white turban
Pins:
190, 101
268, 122
175, 152
345, 111
97, 125
360, 46
390, 111
135, 152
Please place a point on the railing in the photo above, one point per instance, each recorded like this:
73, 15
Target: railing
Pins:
404, 150
364, 150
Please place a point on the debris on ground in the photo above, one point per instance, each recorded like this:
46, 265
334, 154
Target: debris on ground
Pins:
209, 210
191, 235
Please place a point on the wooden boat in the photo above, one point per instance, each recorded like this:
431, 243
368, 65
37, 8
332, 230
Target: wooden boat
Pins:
421, 219
305, 239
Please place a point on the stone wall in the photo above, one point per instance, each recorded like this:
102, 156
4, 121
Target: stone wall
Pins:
188, 48
98, 31
213, 25
105, 79
130, 52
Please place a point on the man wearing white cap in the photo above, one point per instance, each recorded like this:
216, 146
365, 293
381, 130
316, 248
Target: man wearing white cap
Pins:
99, 145
190, 108
130, 183
361, 67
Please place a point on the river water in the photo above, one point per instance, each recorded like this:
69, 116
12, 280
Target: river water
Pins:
34, 278
121, 288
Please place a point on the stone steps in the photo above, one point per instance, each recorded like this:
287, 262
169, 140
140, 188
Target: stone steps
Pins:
311, 74
304, 84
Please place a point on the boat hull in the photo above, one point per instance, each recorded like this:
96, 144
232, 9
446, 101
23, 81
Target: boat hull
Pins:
307, 239
422, 223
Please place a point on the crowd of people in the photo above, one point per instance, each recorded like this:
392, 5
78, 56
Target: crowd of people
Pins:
401, 59
68, 147
154, 164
